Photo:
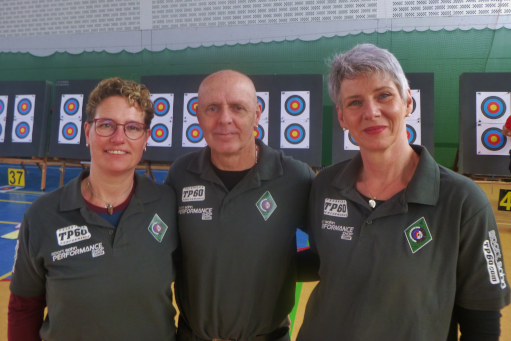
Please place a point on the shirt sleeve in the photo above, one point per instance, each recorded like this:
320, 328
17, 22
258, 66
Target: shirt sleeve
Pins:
481, 278
478, 325
25, 317
28, 274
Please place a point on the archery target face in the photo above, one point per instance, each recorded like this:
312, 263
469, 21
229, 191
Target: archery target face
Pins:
413, 132
192, 132
191, 104
294, 134
492, 107
349, 141
23, 119
261, 132
491, 141
161, 125
295, 105
3, 116
71, 106
263, 99
71, 112
416, 105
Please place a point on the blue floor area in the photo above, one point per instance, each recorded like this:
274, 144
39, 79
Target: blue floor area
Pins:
13, 204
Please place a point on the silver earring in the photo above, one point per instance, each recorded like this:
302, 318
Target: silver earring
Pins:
87, 145
345, 129
408, 115
145, 149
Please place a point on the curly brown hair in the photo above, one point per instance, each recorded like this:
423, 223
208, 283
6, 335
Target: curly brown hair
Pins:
134, 92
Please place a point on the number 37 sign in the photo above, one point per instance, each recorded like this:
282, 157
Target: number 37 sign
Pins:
16, 177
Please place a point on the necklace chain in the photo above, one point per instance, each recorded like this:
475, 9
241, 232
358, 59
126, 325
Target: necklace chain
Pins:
372, 199
256, 150
109, 205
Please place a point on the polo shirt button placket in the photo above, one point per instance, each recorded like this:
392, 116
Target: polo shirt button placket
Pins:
369, 222
111, 232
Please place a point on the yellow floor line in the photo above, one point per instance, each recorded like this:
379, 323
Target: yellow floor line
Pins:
8, 222
17, 202
28, 192
11, 235
6, 275
307, 288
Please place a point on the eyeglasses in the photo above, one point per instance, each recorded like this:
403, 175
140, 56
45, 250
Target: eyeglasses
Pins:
132, 130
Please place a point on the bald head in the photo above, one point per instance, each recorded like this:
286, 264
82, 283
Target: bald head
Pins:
228, 113
228, 78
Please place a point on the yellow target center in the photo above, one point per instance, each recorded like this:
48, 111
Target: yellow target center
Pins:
69, 131
22, 130
24, 106
160, 106
294, 133
71, 106
294, 105
195, 133
194, 106
255, 133
493, 139
493, 107
159, 133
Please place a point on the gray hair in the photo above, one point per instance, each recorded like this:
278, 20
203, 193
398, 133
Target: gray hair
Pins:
365, 59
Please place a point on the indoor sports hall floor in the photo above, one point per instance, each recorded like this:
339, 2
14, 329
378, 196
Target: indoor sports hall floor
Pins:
14, 203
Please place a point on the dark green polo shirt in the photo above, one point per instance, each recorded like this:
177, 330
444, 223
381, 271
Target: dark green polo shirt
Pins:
395, 273
238, 275
101, 282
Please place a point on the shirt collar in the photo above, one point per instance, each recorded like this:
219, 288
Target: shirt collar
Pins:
72, 198
423, 188
268, 166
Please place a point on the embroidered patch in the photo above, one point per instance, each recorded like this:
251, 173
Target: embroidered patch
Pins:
336, 208
266, 205
418, 235
157, 228
194, 193
72, 234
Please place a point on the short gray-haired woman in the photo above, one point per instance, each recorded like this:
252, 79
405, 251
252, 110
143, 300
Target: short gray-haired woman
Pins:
406, 246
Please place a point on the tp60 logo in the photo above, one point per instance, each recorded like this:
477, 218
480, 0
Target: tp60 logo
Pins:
336, 208
72, 234
194, 193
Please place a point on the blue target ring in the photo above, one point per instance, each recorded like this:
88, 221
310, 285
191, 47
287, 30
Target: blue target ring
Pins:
161, 106
493, 139
71, 106
1, 130
157, 228
24, 106
22, 130
159, 133
418, 234
411, 134
2, 107
194, 133
259, 132
69, 131
352, 140
294, 133
493, 107
192, 106
261, 101
295, 105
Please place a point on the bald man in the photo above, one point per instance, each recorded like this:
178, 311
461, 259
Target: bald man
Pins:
240, 203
